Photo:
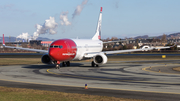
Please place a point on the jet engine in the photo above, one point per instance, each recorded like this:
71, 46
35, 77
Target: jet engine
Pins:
46, 59
100, 58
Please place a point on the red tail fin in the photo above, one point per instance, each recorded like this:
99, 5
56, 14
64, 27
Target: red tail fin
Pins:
3, 40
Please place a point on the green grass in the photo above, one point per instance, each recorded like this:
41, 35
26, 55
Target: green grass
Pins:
33, 59
19, 61
17, 94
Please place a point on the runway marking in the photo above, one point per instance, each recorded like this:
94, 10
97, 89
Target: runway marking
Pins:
145, 69
98, 87
93, 87
133, 81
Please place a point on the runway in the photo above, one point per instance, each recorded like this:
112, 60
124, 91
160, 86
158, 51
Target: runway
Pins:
132, 79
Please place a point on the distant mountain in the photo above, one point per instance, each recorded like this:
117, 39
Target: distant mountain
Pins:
44, 39
142, 37
13, 39
173, 35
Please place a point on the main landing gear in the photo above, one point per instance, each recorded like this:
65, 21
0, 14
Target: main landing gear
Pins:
93, 64
67, 63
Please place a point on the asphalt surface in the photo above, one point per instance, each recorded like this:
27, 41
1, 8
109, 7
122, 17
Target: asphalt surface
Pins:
123, 79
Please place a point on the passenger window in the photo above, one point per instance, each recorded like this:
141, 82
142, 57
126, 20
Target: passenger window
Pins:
60, 47
51, 46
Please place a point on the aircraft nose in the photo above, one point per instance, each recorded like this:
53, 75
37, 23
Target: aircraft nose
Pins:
53, 53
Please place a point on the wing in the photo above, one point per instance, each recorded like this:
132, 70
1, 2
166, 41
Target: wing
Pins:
110, 42
133, 50
91, 54
27, 49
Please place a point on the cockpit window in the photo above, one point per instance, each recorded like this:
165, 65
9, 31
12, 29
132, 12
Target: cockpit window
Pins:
57, 46
60, 47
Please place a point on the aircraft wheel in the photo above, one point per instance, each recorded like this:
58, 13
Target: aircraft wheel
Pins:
57, 66
92, 64
97, 65
63, 64
68, 63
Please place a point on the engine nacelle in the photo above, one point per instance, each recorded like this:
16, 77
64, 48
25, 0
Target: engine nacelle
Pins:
46, 59
100, 58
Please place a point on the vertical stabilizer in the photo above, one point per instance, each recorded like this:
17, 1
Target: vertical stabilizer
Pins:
3, 41
97, 35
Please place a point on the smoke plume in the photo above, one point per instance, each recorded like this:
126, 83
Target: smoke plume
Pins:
117, 4
23, 36
48, 27
64, 19
79, 8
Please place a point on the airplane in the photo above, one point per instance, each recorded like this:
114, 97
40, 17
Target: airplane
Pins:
66, 50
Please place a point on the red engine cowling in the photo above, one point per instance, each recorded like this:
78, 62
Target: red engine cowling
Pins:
46, 59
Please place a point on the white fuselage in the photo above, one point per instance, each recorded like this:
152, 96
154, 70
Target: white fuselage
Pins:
87, 46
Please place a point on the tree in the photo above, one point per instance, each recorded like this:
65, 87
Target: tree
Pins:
137, 45
163, 39
113, 38
124, 47
129, 46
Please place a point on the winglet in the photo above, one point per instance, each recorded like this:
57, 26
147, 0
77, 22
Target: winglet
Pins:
3, 41
97, 35
174, 45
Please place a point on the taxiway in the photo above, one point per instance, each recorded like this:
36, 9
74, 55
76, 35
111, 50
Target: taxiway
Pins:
132, 79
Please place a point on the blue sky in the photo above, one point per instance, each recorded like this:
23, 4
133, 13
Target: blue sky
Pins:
120, 18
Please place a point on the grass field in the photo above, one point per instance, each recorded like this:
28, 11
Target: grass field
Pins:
19, 61
36, 59
19, 94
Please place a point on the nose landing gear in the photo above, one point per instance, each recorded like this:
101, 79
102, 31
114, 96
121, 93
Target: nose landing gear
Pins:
57, 64
67, 63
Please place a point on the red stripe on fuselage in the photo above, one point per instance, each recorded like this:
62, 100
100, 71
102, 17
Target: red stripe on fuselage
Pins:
65, 52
